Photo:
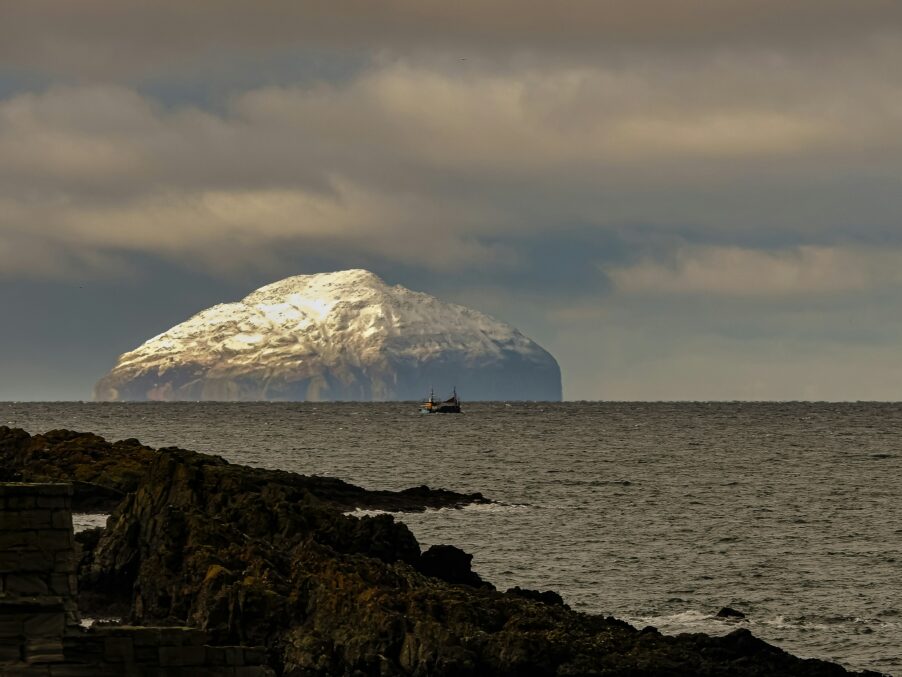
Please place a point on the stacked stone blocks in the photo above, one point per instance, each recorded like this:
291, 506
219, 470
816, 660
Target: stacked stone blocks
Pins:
37, 572
164, 652
40, 633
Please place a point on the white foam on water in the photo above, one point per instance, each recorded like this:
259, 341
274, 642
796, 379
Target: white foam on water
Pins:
87, 621
680, 619
471, 507
359, 512
82, 521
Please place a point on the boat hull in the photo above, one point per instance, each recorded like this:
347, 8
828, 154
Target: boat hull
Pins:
443, 409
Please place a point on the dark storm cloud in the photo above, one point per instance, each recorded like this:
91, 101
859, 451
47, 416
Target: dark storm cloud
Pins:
104, 37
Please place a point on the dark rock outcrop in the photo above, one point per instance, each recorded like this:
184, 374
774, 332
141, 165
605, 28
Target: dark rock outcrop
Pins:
335, 595
450, 564
545, 597
269, 562
727, 612
103, 473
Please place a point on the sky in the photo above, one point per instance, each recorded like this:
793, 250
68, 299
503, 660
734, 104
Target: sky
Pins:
681, 201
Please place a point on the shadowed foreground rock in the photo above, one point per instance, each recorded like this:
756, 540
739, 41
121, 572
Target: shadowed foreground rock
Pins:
209, 544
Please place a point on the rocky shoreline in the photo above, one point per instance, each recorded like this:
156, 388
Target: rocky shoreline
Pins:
267, 558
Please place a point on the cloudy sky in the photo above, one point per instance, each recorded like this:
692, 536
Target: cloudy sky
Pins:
680, 200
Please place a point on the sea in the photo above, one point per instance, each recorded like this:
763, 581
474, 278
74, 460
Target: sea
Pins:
656, 513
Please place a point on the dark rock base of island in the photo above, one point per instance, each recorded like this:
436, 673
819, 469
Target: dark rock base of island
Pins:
260, 558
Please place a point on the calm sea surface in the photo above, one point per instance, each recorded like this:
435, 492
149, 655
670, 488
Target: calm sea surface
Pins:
657, 513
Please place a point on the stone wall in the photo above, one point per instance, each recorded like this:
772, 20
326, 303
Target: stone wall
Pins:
160, 652
37, 572
40, 633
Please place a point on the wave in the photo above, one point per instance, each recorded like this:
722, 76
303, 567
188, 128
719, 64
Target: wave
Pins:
471, 507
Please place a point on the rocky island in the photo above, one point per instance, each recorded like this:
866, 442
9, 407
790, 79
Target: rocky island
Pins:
269, 559
334, 336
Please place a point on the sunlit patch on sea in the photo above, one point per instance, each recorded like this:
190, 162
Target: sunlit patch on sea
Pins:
656, 513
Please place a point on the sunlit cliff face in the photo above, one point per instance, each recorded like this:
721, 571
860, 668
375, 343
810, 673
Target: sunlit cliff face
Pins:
334, 336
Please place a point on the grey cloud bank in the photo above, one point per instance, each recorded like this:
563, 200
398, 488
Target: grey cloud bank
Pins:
103, 38
688, 200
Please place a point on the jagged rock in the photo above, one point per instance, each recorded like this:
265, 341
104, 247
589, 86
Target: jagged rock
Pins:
545, 597
103, 473
334, 595
450, 564
335, 336
727, 612
267, 562
85, 542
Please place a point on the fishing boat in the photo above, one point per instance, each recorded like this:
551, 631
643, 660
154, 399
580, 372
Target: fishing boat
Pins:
434, 406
